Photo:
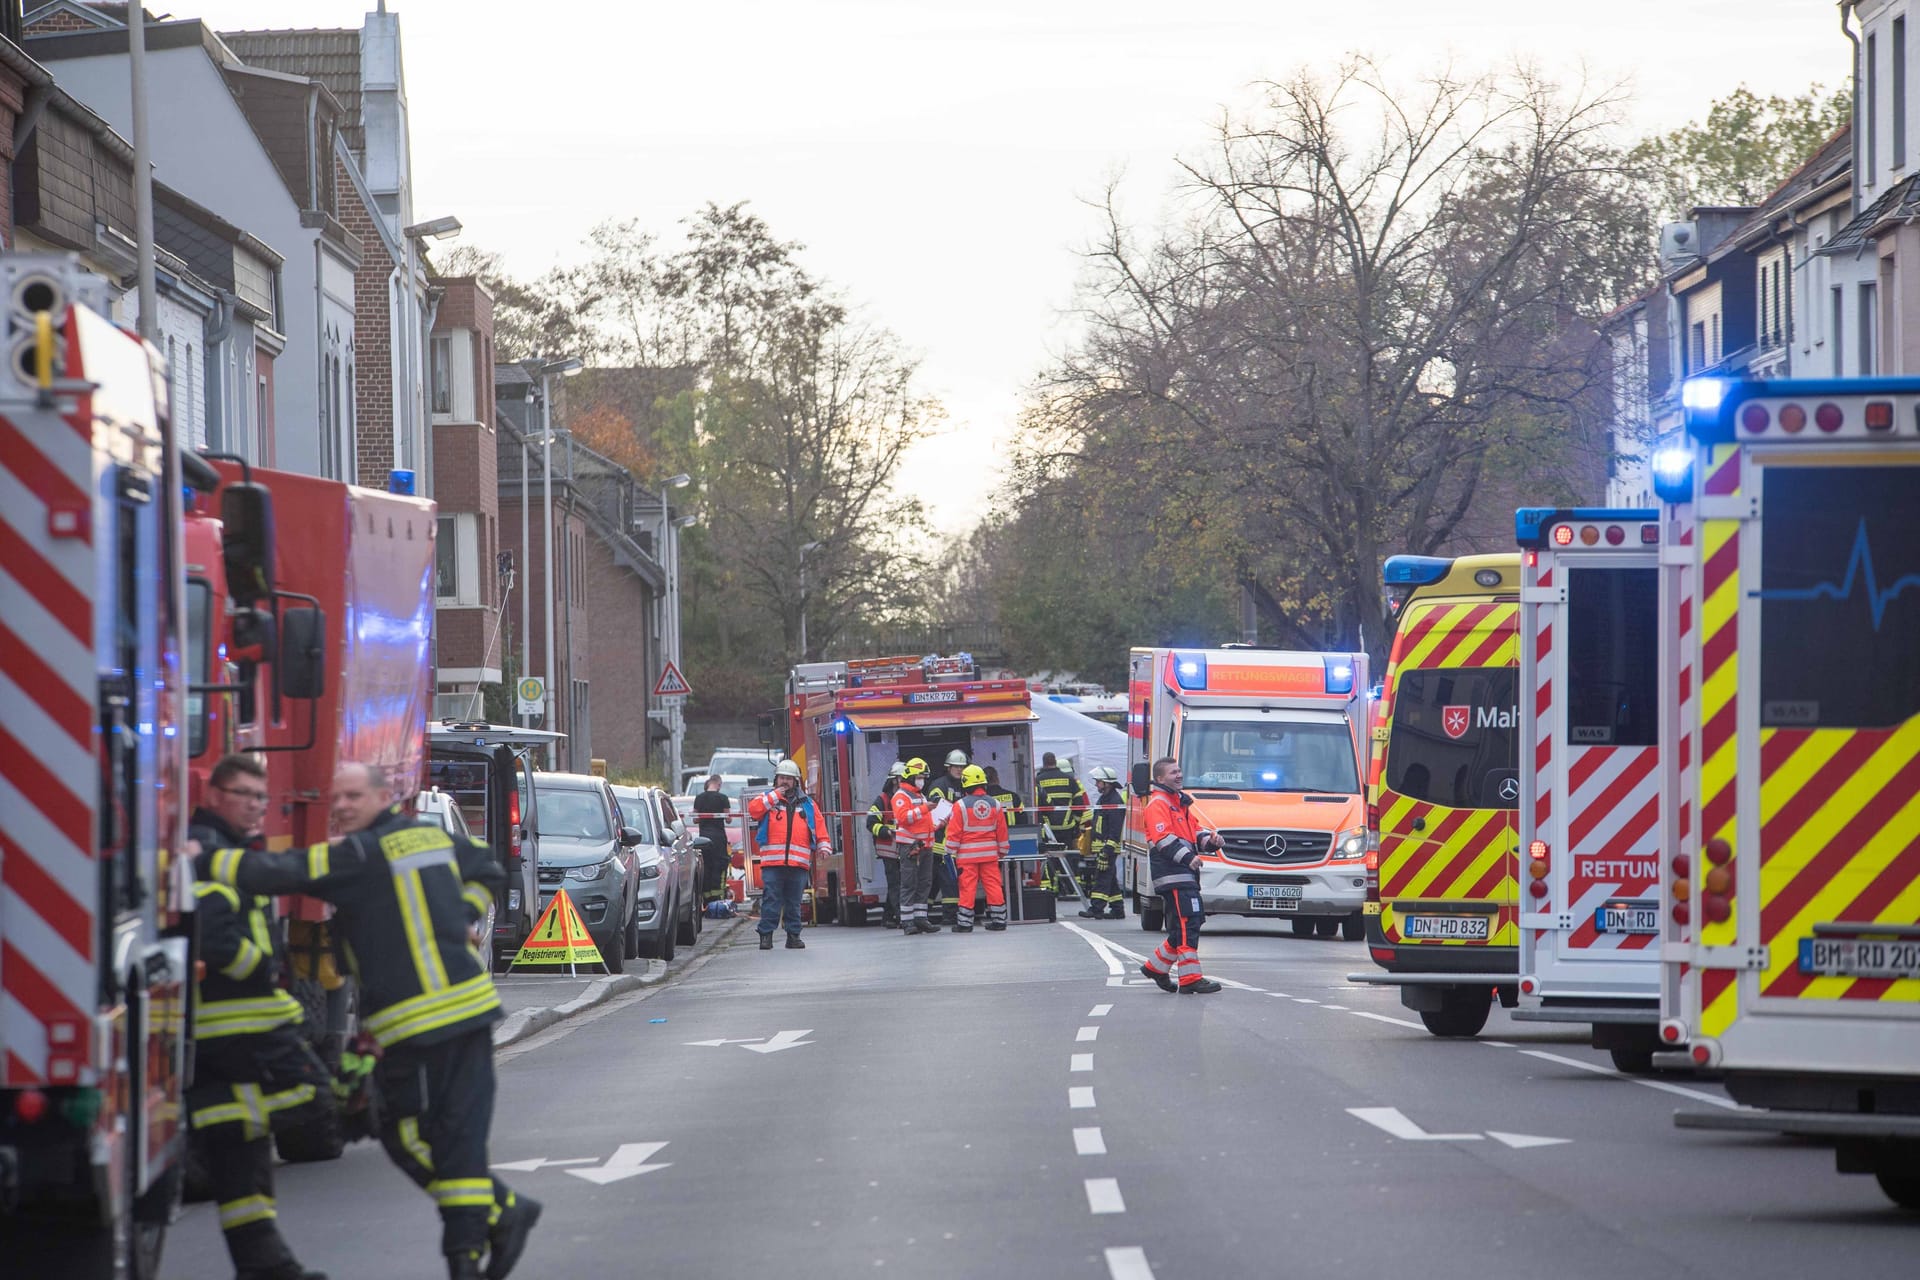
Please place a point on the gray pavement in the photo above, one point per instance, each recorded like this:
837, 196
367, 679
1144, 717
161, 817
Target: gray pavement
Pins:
1007, 1104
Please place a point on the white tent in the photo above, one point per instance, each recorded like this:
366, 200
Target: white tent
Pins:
1065, 732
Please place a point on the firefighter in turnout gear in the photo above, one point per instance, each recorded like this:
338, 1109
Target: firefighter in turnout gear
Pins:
408, 895
1054, 789
1175, 842
1106, 821
945, 894
1009, 798
880, 827
913, 844
253, 1067
977, 836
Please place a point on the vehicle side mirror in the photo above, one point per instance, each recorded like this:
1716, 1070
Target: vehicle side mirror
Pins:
766, 724
679, 828
1142, 778
302, 665
246, 541
629, 837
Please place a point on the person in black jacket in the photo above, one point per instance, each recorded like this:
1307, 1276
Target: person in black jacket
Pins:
880, 827
407, 896
253, 1068
710, 809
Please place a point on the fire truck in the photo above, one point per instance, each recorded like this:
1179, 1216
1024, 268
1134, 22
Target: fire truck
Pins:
1591, 774
310, 650
847, 722
96, 964
1273, 745
1791, 631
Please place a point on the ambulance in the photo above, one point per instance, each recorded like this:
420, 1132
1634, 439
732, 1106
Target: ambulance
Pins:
1442, 905
1272, 743
1791, 907
1591, 775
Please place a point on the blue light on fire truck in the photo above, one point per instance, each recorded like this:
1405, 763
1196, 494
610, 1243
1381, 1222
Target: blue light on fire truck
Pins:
842, 725
1339, 676
1673, 474
1190, 670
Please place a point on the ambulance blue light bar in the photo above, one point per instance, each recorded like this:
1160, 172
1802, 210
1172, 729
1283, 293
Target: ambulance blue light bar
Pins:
1190, 670
1414, 571
1339, 675
1789, 410
1672, 469
1533, 526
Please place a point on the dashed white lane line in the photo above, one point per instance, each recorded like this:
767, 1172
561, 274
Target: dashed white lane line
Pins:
1340, 1008
1080, 1062
1100, 1011
1496, 1044
1661, 1085
1103, 1196
1128, 1264
1304, 1000
1080, 1097
1087, 1034
1279, 995
1089, 1142
1381, 1017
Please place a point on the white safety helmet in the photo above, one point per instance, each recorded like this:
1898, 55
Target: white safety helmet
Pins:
898, 769
787, 769
1105, 774
1066, 764
956, 758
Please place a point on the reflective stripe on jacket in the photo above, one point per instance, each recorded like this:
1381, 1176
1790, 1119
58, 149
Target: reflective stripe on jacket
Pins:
977, 831
912, 818
1108, 818
786, 836
880, 824
1054, 796
241, 993
1172, 838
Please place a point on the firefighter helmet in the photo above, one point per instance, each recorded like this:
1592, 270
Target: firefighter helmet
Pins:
956, 758
1104, 773
898, 769
973, 776
787, 769
916, 768
1066, 764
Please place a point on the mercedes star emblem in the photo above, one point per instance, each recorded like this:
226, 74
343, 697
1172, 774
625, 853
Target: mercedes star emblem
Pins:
1276, 845
1509, 788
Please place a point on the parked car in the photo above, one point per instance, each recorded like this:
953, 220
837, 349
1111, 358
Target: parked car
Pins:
749, 762
686, 844
484, 768
586, 847
665, 892
440, 808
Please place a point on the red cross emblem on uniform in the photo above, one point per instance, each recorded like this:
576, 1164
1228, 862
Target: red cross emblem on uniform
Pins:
982, 808
1456, 720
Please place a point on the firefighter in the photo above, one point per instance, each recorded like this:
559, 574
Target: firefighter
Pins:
1053, 792
1009, 798
1106, 822
253, 1067
913, 843
710, 809
1175, 841
407, 896
977, 836
945, 892
880, 827
792, 830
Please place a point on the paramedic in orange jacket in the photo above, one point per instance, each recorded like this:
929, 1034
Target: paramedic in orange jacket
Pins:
913, 843
792, 829
977, 839
1175, 841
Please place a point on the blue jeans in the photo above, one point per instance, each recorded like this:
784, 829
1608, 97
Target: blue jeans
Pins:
780, 890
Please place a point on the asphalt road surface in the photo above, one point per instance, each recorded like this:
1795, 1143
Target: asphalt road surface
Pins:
1023, 1104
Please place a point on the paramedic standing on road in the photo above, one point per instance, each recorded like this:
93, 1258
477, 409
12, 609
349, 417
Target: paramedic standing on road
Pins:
1175, 842
792, 829
913, 842
977, 838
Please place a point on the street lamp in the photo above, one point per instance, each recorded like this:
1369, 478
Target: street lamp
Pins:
418, 412
804, 552
544, 369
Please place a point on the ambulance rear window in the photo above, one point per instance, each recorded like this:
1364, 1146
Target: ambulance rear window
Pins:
1455, 738
1839, 597
1613, 657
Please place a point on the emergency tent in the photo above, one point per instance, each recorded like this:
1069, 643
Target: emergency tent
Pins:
1065, 732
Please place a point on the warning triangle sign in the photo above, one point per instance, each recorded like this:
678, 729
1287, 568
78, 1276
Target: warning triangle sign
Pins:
671, 683
559, 937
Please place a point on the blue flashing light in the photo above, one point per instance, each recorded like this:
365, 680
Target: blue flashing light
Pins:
1414, 571
400, 482
1339, 675
1700, 397
1673, 474
1190, 670
1269, 775
842, 725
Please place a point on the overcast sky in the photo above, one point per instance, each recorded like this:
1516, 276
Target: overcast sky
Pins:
934, 155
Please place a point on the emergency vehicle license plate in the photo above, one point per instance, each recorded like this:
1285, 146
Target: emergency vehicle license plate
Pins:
1860, 958
1273, 897
1444, 928
1627, 917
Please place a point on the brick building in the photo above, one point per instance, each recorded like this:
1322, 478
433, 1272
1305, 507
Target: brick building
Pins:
472, 643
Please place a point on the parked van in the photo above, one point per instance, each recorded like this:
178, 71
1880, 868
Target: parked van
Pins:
485, 768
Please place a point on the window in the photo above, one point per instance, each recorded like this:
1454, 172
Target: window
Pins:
1697, 347
1455, 737
1269, 755
1869, 325
1613, 657
1899, 52
447, 559
441, 355
1837, 559
572, 814
1714, 351
199, 659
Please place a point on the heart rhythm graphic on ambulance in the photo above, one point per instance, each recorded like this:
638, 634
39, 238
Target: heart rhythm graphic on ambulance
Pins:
1859, 571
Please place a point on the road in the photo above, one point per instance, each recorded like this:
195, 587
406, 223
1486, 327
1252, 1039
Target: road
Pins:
1007, 1104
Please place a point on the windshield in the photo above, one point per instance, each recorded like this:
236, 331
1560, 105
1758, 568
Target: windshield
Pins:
573, 815
1268, 755
199, 648
754, 764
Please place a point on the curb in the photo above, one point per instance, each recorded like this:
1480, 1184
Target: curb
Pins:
526, 1023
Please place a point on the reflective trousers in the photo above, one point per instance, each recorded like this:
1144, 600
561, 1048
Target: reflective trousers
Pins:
1106, 893
436, 1108
916, 878
890, 913
1179, 954
976, 873
945, 891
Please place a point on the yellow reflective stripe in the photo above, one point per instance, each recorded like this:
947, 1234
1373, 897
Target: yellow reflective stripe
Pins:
461, 1192
417, 917
238, 1213
208, 889
246, 958
220, 1113
226, 866
257, 923
319, 860
242, 1017
431, 1010
478, 896
414, 1144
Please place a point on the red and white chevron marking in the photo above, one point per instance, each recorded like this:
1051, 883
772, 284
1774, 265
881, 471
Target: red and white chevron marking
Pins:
1545, 721
48, 773
1613, 838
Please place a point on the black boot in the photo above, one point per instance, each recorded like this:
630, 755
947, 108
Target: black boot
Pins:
1090, 913
766, 942
508, 1237
795, 942
1204, 987
1164, 979
465, 1266
926, 926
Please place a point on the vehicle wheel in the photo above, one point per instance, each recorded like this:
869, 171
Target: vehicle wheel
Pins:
1463, 1011
1151, 917
1901, 1188
630, 936
1353, 928
686, 931
669, 937
613, 951
649, 948
1302, 926
1633, 1062
1327, 926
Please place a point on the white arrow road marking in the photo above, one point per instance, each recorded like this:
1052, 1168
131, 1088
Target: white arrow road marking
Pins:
628, 1162
1521, 1141
714, 1044
782, 1040
529, 1166
1392, 1121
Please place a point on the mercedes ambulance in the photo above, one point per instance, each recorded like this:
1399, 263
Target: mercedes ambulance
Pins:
1443, 898
1272, 744
1591, 775
1791, 914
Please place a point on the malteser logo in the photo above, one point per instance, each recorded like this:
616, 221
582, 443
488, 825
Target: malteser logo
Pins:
1456, 720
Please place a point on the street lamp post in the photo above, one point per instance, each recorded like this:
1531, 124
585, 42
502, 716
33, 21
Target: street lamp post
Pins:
566, 366
804, 552
669, 553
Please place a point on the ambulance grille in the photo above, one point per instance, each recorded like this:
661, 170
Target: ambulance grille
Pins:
1290, 848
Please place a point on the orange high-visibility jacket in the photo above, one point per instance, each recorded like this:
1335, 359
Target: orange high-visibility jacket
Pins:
977, 831
912, 818
790, 831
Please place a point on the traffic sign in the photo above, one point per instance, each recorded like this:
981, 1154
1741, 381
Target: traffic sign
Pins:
533, 695
671, 683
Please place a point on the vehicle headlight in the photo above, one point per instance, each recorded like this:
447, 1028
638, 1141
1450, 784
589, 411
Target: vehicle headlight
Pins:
1350, 846
650, 871
591, 872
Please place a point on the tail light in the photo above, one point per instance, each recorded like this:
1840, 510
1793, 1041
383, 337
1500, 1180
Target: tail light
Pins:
1373, 875
1716, 897
513, 820
29, 1105
1537, 867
